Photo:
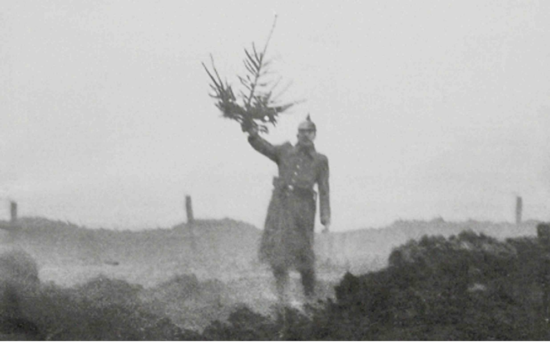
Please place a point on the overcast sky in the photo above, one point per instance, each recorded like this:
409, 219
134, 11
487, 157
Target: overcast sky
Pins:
424, 108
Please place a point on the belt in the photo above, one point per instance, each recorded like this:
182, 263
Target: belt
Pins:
287, 187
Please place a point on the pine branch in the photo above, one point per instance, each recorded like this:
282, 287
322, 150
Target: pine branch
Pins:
256, 104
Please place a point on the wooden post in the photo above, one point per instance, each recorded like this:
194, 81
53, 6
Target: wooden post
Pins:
345, 249
330, 248
191, 223
189, 209
13, 211
519, 209
543, 233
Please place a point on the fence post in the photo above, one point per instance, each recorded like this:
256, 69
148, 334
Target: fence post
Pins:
191, 222
189, 209
13, 211
345, 248
519, 209
329, 237
543, 234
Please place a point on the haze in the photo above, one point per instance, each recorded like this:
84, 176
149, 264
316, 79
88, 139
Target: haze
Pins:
424, 108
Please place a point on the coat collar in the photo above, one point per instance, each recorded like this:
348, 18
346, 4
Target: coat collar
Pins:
309, 150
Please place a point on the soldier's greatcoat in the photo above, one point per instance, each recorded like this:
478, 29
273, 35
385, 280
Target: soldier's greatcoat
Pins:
287, 240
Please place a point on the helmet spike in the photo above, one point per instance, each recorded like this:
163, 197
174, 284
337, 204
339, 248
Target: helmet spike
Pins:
307, 124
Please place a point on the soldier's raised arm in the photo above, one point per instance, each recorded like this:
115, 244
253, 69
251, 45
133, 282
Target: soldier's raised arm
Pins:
263, 146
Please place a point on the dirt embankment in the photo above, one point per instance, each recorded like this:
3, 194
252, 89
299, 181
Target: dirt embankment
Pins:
173, 283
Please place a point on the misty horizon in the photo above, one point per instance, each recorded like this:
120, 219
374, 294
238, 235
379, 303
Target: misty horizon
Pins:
425, 109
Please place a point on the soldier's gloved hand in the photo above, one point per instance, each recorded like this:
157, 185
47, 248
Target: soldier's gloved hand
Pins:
326, 229
252, 130
249, 127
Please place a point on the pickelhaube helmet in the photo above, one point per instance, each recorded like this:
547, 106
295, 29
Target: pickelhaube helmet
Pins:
307, 125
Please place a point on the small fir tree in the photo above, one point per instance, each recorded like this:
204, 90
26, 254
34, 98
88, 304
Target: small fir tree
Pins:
255, 104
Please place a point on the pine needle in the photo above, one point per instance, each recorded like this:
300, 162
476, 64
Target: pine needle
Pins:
255, 106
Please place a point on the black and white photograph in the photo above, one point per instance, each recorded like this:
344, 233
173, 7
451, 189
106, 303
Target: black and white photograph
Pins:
284, 170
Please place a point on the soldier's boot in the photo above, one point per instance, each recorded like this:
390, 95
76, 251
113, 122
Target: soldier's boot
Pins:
281, 282
308, 283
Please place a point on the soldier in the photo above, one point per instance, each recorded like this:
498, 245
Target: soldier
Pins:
287, 240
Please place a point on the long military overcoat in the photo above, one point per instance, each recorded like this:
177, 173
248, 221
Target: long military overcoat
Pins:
287, 239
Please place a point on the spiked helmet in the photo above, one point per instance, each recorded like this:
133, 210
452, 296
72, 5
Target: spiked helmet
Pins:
307, 124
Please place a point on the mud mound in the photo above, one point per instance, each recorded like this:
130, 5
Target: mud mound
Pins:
18, 267
18, 287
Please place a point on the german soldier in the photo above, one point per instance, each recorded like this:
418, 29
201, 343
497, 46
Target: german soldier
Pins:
287, 239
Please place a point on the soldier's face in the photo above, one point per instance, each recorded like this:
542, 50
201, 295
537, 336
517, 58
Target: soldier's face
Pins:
306, 135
